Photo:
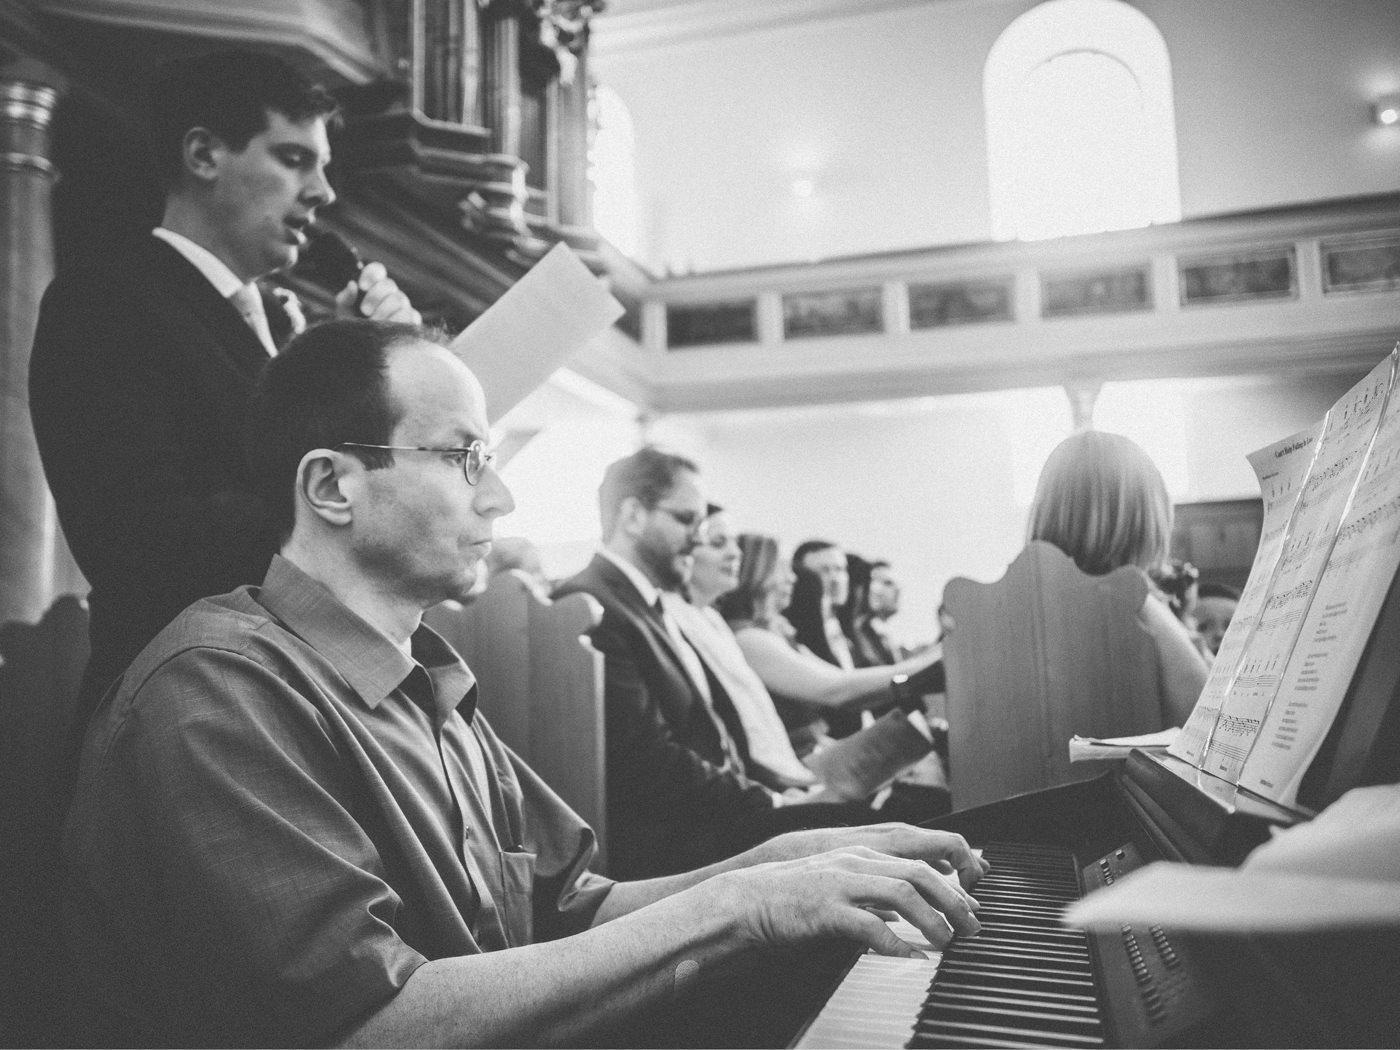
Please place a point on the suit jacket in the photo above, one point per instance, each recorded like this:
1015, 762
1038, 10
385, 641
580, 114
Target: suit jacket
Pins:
674, 801
138, 383
870, 648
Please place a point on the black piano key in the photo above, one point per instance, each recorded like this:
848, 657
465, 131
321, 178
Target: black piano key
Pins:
1025, 980
971, 1032
1085, 1005
1021, 957
1047, 1020
1016, 897
996, 940
1011, 977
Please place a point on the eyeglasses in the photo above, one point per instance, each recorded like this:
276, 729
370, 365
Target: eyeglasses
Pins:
474, 458
687, 519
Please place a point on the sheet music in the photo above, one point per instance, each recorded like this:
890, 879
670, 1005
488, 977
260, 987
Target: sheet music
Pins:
531, 330
1348, 432
1281, 469
1345, 605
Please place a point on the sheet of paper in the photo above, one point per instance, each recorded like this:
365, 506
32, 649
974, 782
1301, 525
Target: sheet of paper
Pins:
1357, 837
540, 321
1345, 605
1341, 869
1183, 897
1281, 469
1089, 749
1307, 544
859, 765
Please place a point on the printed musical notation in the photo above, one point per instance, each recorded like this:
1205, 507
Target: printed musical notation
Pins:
1329, 550
1282, 469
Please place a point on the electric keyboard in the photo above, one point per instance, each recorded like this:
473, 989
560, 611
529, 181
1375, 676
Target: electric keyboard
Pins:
1026, 980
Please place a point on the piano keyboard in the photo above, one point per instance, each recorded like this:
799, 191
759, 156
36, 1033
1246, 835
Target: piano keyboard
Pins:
875, 1005
1023, 981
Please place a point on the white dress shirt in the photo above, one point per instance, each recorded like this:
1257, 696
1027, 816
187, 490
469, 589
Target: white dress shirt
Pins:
248, 303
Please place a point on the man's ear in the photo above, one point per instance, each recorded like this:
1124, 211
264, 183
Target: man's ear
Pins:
201, 151
631, 516
320, 485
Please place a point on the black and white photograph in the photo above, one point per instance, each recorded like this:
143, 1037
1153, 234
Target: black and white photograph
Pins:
700, 523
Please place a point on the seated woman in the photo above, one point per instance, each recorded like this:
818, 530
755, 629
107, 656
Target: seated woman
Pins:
770, 758
767, 750
822, 588
873, 599
807, 686
1102, 501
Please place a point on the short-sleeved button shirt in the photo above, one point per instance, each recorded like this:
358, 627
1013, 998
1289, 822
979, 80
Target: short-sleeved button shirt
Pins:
280, 816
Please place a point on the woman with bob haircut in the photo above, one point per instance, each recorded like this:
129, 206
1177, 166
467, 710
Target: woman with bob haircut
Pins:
1102, 501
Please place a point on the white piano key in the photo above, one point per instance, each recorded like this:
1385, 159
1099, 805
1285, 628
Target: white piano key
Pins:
877, 1002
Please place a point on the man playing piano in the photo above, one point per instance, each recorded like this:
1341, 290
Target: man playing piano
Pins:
290, 828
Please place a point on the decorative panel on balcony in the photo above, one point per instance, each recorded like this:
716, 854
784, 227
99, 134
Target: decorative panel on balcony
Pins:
1367, 265
845, 312
1100, 291
961, 302
702, 324
1232, 277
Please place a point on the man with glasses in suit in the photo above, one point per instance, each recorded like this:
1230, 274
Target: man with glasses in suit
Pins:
677, 791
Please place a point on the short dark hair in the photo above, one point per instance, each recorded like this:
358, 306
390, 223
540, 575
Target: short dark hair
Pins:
330, 385
857, 603
807, 547
230, 93
647, 476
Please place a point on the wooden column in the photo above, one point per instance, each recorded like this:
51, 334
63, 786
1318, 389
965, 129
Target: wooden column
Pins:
501, 48
28, 526
571, 185
1083, 396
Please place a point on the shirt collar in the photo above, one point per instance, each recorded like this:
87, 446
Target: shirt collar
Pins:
368, 661
215, 271
644, 586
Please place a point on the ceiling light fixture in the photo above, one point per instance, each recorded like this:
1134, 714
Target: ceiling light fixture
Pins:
1386, 109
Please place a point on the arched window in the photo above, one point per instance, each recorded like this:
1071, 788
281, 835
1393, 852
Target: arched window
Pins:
612, 171
1081, 132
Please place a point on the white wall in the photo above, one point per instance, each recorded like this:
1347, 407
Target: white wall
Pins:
1273, 98
940, 487
884, 113
578, 429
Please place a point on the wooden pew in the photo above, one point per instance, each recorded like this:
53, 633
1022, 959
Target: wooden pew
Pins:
41, 666
541, 684
1040, 655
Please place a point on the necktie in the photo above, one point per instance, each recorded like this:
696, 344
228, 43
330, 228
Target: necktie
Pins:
248, 302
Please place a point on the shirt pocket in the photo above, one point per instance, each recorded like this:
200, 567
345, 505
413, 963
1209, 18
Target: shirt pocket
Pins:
517, 897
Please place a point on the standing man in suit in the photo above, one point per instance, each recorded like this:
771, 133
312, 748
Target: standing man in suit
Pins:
677, 793
144, 360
